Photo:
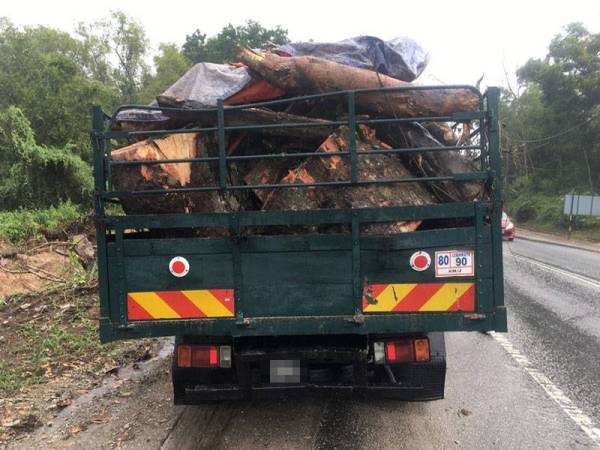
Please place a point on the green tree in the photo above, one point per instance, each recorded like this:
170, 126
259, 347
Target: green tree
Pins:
169, 65
552, 132
36, 176
123, 38
46, 73
226, 44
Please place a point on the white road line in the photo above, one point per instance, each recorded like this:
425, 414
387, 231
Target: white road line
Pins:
566, 273
577, 415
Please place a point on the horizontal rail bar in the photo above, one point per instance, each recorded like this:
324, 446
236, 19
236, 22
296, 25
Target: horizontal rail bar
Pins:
455, 177
294, 155
298, 98
315, 216
358, 91
333, 123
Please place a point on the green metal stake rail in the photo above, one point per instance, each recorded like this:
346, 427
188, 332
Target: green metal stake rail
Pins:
131, 258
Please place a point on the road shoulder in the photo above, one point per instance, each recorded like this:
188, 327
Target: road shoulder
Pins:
536, 236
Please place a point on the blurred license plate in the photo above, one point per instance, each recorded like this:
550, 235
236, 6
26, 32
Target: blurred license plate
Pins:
284, 371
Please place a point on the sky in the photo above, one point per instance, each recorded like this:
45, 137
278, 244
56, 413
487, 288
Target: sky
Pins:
465, 39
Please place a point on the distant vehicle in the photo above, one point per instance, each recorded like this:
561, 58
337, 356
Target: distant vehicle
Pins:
508, 227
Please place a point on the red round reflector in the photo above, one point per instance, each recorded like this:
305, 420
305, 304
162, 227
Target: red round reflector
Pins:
420, 261
179, 266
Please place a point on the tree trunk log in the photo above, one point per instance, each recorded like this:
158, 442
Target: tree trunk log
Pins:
168, 176
337, 168
302, 75
436, 164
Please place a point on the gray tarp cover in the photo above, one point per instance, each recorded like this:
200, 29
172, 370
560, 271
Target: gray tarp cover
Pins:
199, 87
400, 58
203, 84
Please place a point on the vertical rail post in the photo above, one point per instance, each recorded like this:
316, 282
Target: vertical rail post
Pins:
99, 148
493, 98
236, 255
356, 275
352, 127
221, 132
122, 281
484, 149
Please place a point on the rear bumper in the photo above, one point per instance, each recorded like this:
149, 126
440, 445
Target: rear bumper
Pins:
327, 372
201, 394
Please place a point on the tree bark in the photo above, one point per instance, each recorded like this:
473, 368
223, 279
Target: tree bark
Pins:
240, 117
168, 176
436, 164
302, 75
337, 168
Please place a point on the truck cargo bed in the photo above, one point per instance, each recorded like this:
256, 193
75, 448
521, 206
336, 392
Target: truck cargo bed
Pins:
158, 277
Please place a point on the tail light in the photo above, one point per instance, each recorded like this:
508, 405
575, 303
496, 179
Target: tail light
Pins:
421, 350
204, 356
401, 351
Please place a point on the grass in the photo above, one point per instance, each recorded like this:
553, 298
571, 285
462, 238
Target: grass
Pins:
544, 213
56, 330
20, 225
9, 380
36, 349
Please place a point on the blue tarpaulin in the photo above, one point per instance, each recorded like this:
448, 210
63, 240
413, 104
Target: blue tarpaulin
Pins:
401, 58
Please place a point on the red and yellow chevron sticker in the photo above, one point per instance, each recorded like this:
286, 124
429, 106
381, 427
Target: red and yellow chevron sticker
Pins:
419, 297
196, 304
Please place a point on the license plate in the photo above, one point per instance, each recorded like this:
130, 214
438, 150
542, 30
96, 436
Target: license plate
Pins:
284, 371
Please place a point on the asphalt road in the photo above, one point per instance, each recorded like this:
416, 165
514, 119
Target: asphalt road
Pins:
536, 387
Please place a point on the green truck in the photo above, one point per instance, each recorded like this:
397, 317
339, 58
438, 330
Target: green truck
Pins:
276, 314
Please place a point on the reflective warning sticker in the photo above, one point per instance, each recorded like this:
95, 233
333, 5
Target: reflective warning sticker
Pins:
421, 297
194, 304
454, 263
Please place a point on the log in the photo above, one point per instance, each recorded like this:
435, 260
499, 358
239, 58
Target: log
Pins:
167, 176
239, 117
441, 132
435, 164
267, 171
337, 168
302, 75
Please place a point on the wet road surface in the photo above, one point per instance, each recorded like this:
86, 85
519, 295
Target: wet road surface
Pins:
493, 399
536, 387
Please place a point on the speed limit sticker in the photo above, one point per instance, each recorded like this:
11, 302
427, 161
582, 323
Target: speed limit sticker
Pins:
454, 263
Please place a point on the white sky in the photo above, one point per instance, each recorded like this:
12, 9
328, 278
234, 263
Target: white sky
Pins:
464, 38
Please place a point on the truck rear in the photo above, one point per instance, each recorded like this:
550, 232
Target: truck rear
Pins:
295, 301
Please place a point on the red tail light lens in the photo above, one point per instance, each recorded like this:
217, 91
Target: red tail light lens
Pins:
204, 356
399, 351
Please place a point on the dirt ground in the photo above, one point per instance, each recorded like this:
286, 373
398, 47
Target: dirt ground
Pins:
51, 358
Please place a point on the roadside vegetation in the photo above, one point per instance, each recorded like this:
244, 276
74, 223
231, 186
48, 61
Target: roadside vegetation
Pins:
21, 225
50, 350
551, 133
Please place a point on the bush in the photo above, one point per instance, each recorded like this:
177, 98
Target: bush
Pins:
36, 176
538, 208
21, 225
